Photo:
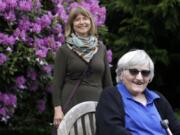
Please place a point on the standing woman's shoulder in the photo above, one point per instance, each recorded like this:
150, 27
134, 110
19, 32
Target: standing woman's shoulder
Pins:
63, 48
63, 52
101, 45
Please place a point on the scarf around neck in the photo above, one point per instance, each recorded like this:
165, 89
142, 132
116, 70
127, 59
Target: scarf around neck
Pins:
84, 47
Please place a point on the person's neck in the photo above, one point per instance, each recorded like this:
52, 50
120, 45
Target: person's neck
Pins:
141, 98
85, 36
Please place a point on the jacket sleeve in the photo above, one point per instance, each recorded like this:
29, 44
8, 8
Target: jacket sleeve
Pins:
107, 79
59, 76
109, 116
174, 124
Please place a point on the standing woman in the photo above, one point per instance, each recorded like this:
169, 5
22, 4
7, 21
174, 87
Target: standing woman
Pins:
81, 51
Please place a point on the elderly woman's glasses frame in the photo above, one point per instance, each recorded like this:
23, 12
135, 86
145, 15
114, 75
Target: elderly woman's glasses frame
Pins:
135, 72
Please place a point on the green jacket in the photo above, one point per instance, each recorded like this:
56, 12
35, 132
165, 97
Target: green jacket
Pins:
68, 69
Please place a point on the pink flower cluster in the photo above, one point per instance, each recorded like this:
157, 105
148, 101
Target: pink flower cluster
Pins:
28, 43
7, 105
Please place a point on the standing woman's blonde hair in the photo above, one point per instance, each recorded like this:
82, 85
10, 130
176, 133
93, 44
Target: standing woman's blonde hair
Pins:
73, 14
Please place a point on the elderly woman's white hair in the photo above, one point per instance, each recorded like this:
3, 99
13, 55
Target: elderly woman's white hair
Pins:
131, 59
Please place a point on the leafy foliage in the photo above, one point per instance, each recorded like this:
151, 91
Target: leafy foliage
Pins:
150, 25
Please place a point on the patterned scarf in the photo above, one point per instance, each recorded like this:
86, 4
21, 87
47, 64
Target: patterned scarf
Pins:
84, 47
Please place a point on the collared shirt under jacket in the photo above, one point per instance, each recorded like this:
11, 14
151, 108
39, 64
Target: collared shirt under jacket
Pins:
110, 115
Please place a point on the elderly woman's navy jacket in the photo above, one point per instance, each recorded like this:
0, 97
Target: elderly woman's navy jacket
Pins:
110, 114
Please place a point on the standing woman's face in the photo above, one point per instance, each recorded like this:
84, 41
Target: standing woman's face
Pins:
82, 25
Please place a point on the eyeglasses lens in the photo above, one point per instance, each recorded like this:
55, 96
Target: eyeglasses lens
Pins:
135, 72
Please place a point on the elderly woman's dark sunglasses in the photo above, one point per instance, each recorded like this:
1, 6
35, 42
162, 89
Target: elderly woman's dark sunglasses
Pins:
134, 72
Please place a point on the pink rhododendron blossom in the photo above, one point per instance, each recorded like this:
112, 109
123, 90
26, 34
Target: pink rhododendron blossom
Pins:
47, 69
109, 55
36, 28
57, 29
57, 1
11, 3
95, 2
38, 43
20, 82
10, 16
8, 103
20, 34
61, 13
24, 24
2, 112
37, 4
9, 40
3, 58
6, 39
25, 5
8, 99
45, 20
2, 6
42, 53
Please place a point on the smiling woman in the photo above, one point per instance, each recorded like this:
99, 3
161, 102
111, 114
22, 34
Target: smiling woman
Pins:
81, 66
131, 108
81, 25
80, 19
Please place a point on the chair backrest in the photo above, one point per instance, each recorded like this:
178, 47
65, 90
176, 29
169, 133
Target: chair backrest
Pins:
79, 120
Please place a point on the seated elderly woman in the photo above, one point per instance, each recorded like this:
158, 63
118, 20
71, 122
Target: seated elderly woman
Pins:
130, 108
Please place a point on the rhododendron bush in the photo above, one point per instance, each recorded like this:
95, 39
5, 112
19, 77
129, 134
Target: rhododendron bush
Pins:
30, 33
